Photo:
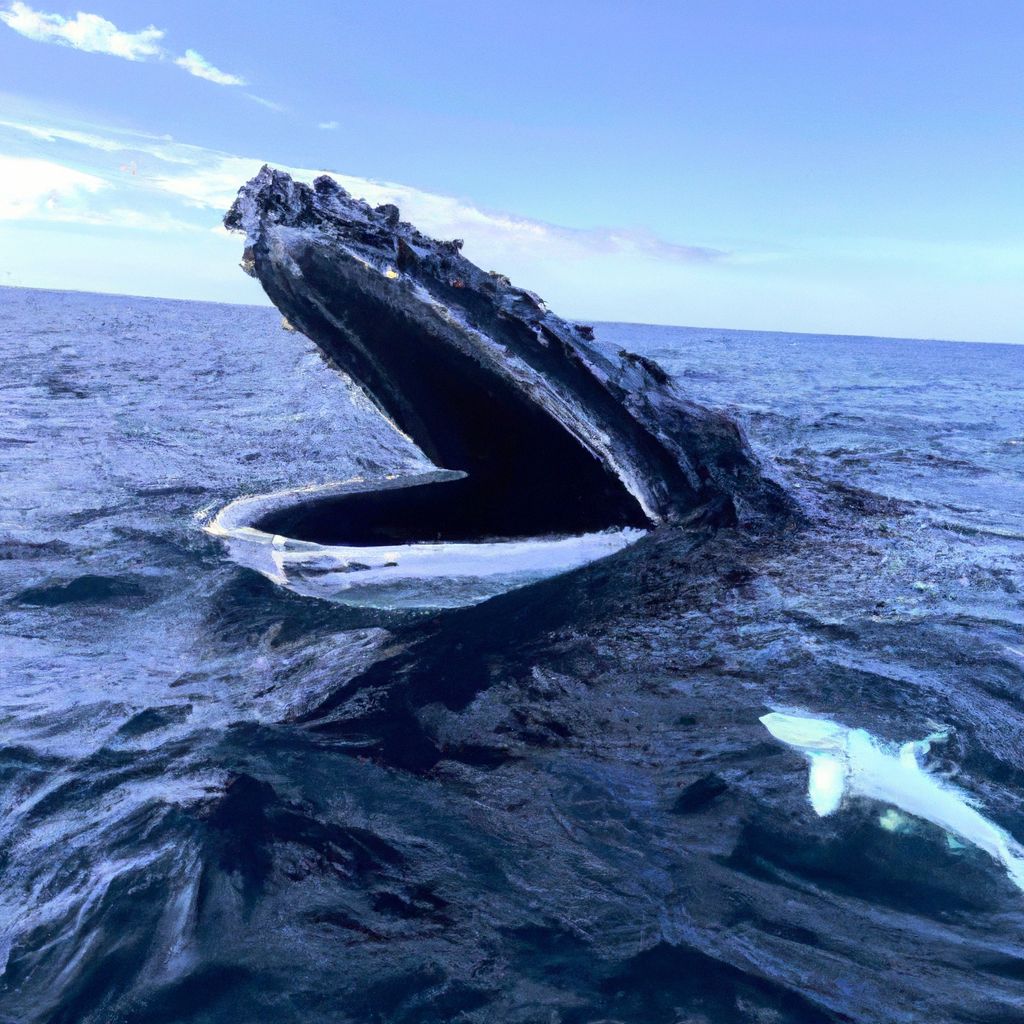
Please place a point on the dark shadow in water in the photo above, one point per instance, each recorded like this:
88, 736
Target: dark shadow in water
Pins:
450, 658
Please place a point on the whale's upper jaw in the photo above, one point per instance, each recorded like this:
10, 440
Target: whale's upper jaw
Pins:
554, 435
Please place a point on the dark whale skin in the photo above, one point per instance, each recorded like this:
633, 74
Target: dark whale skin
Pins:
554, 436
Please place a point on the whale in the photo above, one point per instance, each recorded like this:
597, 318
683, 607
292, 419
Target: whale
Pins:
850, 763
547, 450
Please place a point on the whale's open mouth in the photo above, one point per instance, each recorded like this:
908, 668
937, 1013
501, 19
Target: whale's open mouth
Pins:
382, 556
544, 436
452, 509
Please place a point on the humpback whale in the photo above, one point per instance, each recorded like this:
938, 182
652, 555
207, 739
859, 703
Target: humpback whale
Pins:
550, 452
852, 761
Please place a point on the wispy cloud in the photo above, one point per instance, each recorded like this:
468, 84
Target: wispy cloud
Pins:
196, 64
279, 108
328, 126
490, 235
36, 188
92, 33
162, 147
191, 183
88, 32
48, 134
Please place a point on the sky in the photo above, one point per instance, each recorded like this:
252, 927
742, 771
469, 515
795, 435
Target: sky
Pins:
791, 165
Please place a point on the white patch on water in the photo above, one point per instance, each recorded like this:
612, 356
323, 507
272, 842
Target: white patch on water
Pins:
852, 762
826, 782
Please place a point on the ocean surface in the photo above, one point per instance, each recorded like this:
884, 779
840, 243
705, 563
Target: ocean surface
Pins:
224, 802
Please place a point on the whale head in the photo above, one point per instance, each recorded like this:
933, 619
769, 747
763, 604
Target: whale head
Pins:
551, 434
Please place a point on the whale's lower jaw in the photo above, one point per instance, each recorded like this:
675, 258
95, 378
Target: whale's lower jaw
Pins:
375, 571
554, 437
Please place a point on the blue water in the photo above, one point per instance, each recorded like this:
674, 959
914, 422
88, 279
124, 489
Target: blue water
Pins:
212, 808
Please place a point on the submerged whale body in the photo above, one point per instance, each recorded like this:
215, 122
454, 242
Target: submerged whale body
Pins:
543, 437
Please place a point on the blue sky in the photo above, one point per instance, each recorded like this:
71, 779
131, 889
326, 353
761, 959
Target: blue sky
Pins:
812, 166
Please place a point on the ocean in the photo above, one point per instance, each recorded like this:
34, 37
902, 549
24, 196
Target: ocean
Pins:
222, 801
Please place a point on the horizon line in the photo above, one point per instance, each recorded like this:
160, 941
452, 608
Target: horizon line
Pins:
631, 323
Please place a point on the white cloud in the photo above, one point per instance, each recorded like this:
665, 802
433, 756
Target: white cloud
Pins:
212, 185
94, 34
196, 64
489, 235
328, 126
497, 235
88, 32
36, 188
